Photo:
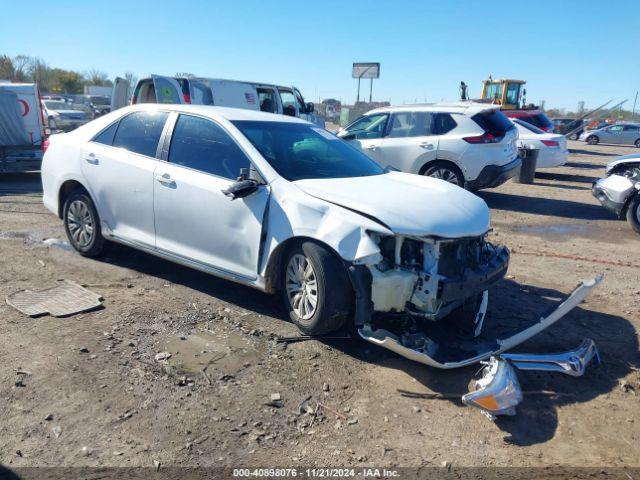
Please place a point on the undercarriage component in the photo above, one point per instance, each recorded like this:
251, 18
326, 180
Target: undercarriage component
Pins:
497, 391
441, 349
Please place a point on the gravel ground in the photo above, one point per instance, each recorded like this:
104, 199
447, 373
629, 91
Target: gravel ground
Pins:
87, 390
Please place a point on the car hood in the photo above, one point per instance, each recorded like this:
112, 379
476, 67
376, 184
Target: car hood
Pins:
632, 158
407, 204
71, 113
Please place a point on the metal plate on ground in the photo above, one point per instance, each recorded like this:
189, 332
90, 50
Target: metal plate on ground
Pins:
60, 301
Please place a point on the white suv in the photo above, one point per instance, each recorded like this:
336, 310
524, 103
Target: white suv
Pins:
469, 144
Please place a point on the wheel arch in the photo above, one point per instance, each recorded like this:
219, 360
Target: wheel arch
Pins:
273, 270
65, 190
441, 160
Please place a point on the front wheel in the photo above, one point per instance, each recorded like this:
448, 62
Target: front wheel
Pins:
316, 289
82, 224
593, 140
637, 144
445, 171
633, 213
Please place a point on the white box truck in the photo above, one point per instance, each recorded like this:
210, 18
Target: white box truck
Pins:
21, 127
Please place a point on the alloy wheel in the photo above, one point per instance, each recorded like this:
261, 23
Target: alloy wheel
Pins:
80, 223
445, 174
302, 286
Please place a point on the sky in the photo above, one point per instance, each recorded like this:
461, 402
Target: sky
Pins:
566, 50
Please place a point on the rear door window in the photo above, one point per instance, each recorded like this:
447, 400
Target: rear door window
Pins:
202, 145
106, 136
410, 124
443, 123
140, 132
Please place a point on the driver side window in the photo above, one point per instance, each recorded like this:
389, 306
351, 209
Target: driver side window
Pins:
288, 102
202, 145
371, 126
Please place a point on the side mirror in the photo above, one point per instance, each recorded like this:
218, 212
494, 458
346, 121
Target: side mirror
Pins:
348, 136
241, 188
310, 107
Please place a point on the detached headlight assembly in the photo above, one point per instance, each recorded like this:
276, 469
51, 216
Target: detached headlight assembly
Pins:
498, 391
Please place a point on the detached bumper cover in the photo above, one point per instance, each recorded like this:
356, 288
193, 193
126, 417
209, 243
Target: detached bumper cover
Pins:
450, 355
494, 175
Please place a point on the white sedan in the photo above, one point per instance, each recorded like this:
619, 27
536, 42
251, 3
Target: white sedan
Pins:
552, 147
281, 205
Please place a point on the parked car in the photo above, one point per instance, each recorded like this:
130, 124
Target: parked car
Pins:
61, 115
552, 147
22, 128
225, 93
619, 134
276, 203
535, 117
619, 191
472, 145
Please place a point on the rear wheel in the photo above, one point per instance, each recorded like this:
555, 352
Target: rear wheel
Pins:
445, 171
593, 140
633, 213
316, 289
82, 224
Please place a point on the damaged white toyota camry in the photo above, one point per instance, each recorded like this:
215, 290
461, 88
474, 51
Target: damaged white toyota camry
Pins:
278, 204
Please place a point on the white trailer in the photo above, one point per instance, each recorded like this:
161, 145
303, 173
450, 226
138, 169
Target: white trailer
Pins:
21, 127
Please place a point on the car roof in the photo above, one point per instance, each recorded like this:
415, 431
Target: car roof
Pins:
469, 108
227, 113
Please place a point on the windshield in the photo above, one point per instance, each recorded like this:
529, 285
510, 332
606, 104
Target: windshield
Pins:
298, 151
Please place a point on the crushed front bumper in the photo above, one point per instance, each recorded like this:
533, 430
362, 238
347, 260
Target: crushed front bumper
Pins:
613, 192
448, 353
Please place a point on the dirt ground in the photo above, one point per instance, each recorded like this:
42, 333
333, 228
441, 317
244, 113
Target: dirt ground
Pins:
87, 391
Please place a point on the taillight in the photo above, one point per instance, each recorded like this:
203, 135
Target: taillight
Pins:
485, 138
45, 145
551, 143
187, 97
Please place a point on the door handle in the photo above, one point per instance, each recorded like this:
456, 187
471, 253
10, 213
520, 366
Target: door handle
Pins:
371, 147
91, 158
165, 179
427, 145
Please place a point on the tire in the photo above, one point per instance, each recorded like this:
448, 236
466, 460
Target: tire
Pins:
82, 225
637, 143
446, 171
593, 140
633, 213
333, 293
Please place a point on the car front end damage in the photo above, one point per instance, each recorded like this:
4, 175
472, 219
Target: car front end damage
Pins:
426, 300
620, 185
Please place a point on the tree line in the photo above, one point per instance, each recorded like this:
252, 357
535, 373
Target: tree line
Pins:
26, 69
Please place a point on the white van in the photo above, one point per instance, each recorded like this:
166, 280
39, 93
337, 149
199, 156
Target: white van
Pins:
222, 93
21, 127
